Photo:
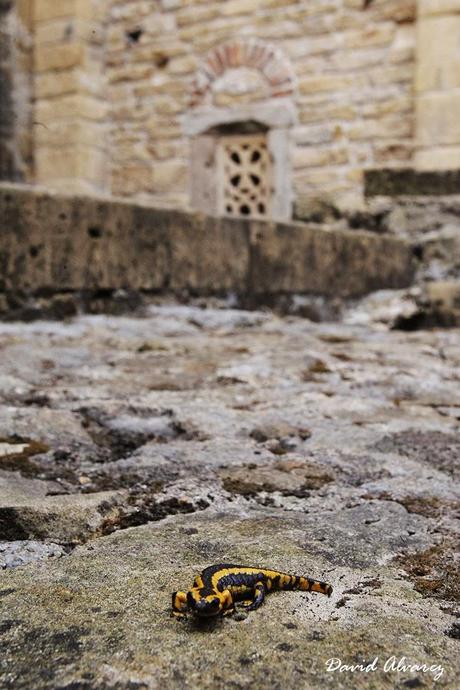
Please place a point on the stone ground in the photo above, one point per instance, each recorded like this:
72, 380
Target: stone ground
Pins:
136, 451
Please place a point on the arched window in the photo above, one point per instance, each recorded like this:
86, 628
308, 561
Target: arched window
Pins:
239, 121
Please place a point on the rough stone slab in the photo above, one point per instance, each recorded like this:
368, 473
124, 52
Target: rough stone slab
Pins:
301, 258
56, 243
28, 512
101, 618
410, 182
51, 242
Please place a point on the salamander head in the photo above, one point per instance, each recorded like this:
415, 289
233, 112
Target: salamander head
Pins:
202, 604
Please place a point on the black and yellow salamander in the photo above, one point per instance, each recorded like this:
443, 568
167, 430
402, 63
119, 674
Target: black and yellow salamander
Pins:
216, 590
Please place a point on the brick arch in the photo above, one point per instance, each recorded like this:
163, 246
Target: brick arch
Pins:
270, 61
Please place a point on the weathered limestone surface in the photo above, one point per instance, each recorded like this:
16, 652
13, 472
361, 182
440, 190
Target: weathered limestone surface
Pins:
59, 243
328, 450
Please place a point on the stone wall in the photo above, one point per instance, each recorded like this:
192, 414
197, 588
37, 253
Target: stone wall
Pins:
15, 90
354, 65
98, 95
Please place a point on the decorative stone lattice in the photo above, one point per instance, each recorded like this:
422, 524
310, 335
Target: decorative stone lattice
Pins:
245, 176
269, 61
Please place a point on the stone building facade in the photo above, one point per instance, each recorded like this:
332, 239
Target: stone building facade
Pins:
237, 107
16, 81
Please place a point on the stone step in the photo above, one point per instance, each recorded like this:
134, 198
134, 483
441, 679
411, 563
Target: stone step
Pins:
55, 243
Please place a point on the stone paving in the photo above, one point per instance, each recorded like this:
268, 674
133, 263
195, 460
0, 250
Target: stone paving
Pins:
136, 451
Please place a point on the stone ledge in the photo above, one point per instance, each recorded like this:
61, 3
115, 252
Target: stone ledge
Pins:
410, 182
55, 243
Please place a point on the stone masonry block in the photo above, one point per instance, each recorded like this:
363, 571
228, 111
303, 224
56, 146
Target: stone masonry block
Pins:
58, 57
232, 7
325, 82
370, 36
170, 176
438, 158
58, 30
71, 106
438, 118
46, 10
68, 163
51, 163
438, 61
70, 133
51, 84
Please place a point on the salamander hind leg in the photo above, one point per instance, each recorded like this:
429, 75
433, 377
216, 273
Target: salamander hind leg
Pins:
259, 596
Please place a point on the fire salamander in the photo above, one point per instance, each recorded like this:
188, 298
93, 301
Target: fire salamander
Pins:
216, 590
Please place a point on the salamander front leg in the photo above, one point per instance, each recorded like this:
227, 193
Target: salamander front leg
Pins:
259, 596
179, 604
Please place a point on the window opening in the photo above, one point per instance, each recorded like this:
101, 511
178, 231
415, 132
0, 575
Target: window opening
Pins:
245, 176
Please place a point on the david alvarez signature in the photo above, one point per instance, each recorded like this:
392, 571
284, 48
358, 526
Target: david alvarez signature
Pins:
391, 665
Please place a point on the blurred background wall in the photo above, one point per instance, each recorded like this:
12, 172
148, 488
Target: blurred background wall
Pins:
245, 107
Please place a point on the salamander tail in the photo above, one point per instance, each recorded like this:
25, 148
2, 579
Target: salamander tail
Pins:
306, 584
